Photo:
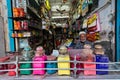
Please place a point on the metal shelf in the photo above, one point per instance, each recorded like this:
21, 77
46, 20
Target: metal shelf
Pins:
34, 11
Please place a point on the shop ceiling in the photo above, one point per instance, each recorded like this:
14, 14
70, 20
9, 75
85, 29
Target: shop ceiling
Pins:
60, 11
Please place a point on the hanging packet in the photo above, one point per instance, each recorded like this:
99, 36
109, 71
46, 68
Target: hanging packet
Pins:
84, 24
93, 23
84, 7
90, 1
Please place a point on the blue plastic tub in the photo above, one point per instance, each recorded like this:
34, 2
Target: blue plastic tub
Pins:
51, 65
104, 59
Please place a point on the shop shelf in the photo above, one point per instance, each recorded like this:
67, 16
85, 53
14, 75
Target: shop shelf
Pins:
22, 30
34, 3
35, 27
22, 37
18, 18
34, 12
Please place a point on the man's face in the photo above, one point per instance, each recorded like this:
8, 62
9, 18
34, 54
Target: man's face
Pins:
83, 37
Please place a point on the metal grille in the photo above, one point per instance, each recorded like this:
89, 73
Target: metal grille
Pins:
113, 70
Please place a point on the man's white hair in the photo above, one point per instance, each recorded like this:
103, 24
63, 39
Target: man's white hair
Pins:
82, 32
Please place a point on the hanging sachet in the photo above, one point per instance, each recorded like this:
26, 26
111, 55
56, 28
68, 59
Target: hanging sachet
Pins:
93, 23
90, 1
84, 7
93, 36
85, 24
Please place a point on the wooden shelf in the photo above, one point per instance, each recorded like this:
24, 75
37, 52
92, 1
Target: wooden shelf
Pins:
21, 37
21, 30
18, 18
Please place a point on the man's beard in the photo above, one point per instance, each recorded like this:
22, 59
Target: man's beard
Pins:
83, 40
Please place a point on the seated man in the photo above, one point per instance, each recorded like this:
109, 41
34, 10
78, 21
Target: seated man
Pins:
81, 41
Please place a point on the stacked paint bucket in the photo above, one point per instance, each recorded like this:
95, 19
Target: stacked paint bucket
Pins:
51, 64
41, 58
12, 56
102, 58
3, 66
26, 57
88, 57
75, 54
63, 56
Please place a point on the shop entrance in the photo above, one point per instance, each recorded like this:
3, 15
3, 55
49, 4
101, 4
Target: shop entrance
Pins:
64, 38
52, 23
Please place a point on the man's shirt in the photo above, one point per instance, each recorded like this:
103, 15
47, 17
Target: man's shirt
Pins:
80, 45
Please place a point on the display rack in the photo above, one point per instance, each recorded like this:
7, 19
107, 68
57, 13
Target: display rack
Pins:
22, 28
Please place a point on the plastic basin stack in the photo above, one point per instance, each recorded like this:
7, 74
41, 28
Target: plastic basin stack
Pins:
39, 65
78, 65
77, 53
51, 65
3, 66
25, 66
11, 66
102, 59
89, 66
62, 65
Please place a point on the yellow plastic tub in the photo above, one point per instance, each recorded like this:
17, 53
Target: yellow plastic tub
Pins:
63, 64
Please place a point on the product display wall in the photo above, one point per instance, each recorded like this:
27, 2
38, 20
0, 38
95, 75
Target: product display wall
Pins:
28, 27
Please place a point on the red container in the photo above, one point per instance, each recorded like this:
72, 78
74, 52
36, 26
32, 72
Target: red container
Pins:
12, 56
77, 53
21, 12
3, 66
11, 66
78, 65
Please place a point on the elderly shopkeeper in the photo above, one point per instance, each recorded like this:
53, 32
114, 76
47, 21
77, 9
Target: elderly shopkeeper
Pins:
81, 41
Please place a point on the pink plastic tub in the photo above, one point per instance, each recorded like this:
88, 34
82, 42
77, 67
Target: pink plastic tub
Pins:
89, 66
39, 65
